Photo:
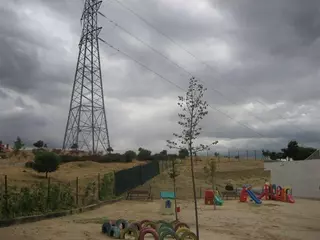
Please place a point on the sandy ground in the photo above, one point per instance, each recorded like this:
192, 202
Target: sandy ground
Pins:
234, 220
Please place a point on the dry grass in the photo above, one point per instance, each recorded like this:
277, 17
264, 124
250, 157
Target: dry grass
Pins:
233, 171
228, 170
86, 171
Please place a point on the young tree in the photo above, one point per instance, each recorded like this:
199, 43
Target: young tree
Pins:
193, 110
46, 162
173, 174
210, 170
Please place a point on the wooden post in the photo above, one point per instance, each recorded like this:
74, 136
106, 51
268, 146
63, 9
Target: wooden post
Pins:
6, 195
48, 194
77, 191
99, 186
247, 152
255, 154
228, 154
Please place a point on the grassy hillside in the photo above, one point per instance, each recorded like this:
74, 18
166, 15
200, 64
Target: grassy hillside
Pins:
234, 171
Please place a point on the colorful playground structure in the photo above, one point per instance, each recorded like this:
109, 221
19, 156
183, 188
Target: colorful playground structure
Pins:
270, 192
212, 198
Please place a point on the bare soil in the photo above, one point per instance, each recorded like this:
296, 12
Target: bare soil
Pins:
233, 221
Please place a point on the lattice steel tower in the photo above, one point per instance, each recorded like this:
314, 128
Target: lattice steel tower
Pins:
86, 127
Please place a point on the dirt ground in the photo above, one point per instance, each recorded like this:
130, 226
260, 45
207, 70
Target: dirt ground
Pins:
234, 220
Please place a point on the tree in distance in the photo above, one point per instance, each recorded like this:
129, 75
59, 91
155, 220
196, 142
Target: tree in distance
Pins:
193, 109
17, 146
45, 162
38, 144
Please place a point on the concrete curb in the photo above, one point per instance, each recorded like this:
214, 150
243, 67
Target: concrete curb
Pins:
29, 219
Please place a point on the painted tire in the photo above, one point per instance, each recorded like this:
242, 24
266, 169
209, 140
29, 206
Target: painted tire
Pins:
143, 221
131, 231
166, 232
135, 225
114, 232
181, 225
181, 231
162, 221
122, 224
149, 230
106, 227
173, 223
164, 225
149, 225
188, 235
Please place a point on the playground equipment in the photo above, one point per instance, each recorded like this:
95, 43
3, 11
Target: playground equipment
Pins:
245, 192
277, 193
212, 198
167, 204
270, 192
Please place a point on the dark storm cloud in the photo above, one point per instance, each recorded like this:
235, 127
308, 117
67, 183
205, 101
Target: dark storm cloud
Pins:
273, 57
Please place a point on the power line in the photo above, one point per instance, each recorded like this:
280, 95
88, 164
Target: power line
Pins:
177, 65
177, 86
191, 54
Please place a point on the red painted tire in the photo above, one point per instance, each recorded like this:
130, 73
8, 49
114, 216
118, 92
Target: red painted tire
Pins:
181, 225
149, 230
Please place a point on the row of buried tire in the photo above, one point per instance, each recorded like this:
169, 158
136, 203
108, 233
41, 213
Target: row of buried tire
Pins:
122, 229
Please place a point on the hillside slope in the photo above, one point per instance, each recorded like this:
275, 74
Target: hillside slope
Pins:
237, 172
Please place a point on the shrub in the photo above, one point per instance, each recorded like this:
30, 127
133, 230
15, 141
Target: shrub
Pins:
29, 164
45, 162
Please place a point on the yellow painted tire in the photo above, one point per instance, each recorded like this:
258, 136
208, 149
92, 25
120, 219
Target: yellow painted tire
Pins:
188, 235
181, 231
134, 233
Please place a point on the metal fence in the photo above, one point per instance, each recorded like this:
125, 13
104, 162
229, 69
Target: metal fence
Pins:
25, 199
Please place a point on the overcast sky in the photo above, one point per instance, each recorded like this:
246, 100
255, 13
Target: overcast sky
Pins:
259, 60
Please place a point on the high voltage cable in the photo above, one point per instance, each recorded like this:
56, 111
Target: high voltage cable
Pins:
177, 65
191, 54
177, 86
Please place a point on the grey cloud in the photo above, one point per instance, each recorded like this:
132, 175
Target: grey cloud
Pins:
274, 58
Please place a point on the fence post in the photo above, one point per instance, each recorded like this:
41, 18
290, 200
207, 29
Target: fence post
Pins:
77, 191
6, 195
247, 152
48, 194
238, 155
255, 154
228, 154
99, 186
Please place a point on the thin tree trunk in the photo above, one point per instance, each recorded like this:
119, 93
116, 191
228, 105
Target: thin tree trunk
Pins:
175, 199
194, 195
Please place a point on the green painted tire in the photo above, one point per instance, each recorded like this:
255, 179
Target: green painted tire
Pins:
122, 224
114, 232
167, 232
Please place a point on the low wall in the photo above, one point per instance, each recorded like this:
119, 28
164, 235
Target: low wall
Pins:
302, 176
29, 219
